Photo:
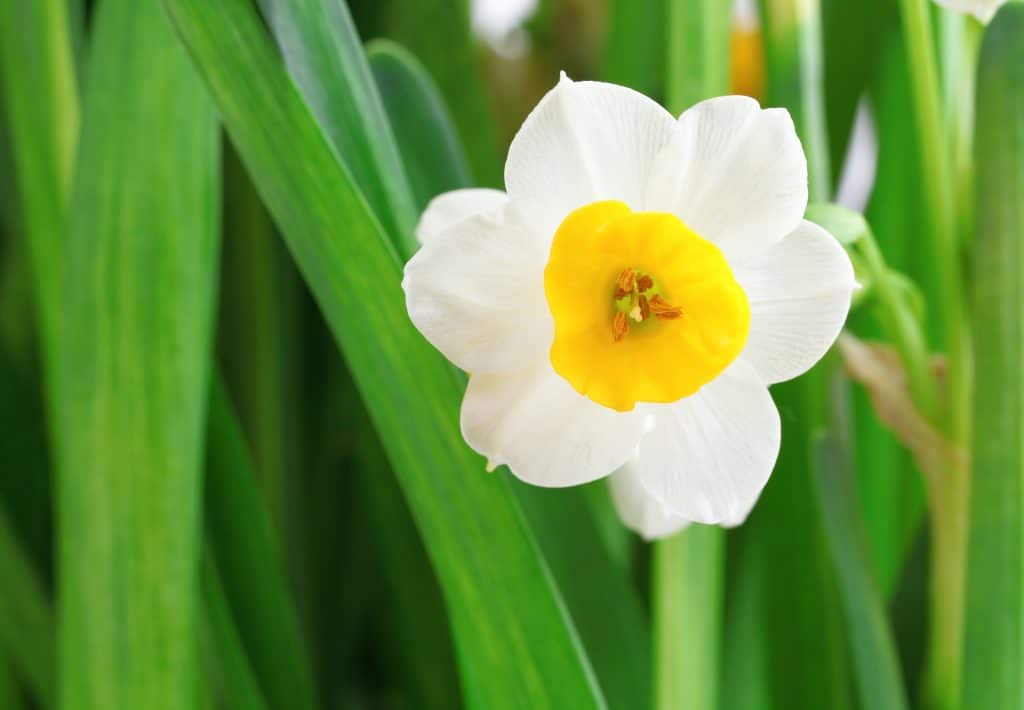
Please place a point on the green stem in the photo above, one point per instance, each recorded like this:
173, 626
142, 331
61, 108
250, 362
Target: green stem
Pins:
687, 569
903, 328
949, 491
687, 607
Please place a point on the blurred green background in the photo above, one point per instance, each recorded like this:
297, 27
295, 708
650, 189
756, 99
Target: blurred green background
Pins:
231, 473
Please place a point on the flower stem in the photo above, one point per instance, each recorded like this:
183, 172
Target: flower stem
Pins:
949, 491
687, 608
687, 568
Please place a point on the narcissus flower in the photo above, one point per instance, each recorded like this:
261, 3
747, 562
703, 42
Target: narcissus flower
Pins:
632, 295
984, 10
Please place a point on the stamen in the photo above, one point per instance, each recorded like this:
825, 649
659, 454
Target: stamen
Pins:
644, 283
664, 310
645, 307
625, 283
620, 326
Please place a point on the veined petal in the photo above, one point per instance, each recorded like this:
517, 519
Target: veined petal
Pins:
584, 142
476, 292
549, 435
708, 456
799, 292
450, 208
734, 173
639, 510
984, 10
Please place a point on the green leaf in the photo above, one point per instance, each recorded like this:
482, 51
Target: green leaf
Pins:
430, 147
795, 67
515, 644
876, 666
231, 676
994, 672
242, 543
26, 621
326, 61
449, 53
697, 51
635, 48
607, 611
142, 256
41, 102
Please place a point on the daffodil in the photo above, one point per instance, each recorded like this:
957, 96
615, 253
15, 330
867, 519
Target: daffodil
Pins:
632, 294
984, 10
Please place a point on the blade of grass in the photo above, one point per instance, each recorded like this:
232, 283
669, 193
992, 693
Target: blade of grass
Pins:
41, 102
230, 675
418, 628
26, 621
449, 53
142, 254
10, 693
252, 340
994, 650
326, 61
872, 648
241, 541
489, 568
430, 147
635, 45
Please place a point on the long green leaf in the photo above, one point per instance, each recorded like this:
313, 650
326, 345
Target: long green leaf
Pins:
142, 254
872, 648
601, 599
994, 657
41, 101
26, 621
449, 53
242, 542
430, 147
231, 675
635, 49
327, 64
516, 646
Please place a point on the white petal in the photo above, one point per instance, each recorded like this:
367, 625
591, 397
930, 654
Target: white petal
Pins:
734, 173
799, 292
450, 208
639, 510
585, 141
547, 433
984, 10
476, 292
709, 456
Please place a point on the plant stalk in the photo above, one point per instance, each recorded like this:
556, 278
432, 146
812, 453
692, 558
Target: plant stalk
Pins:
948, 492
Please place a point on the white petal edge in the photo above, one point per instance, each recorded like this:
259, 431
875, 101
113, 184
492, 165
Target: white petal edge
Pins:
639, 510
984, 10
476, 292
799, 292
708, 457
450, 208
585, 141
734, 173
548, 434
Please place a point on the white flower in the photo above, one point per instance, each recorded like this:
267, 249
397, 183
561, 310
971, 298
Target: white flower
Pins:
984, 10
632, 295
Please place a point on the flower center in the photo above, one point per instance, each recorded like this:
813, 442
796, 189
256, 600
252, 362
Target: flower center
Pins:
637, 300
645, 310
